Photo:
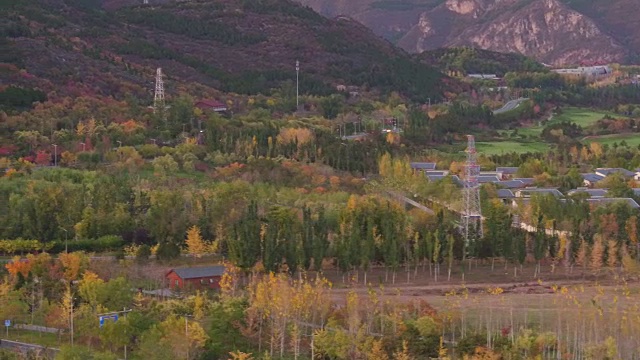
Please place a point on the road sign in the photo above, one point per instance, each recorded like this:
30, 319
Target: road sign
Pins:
104, 318
7, 323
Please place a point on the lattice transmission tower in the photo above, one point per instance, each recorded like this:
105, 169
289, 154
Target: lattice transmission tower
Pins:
471, 222
158, 96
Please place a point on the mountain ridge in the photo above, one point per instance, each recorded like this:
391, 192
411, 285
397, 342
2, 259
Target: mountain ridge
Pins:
560, 32
112, 47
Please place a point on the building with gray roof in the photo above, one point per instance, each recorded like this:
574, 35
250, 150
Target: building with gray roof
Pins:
423, 166
593, 193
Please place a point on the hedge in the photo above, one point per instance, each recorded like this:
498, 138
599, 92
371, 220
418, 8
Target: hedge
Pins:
102, 244
22, 246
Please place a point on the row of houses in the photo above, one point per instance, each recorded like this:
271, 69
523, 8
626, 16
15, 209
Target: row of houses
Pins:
595, 196
600, 70
514, 190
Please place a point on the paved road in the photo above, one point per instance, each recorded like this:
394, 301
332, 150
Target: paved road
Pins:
405, 199
510, 106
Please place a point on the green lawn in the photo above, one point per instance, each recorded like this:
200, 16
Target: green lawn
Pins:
633, 140
581, 116
503, 147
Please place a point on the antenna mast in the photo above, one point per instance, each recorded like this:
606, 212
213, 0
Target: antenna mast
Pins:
471, 221
158, 97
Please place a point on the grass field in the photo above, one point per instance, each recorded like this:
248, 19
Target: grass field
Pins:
633, 140
580, 116
504, 147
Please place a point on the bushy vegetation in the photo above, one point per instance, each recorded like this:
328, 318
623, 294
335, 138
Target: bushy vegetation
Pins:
477, 61
13, 97
195, 28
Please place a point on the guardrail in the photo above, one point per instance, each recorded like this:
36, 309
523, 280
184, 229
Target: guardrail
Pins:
26, 348
37, 328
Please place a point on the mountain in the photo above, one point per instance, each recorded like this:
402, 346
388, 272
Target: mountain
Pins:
552, 31
112, 47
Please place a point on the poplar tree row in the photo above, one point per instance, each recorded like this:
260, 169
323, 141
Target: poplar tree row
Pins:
279, 237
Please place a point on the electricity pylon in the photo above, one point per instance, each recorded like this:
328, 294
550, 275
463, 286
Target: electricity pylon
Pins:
158, 96
471, 222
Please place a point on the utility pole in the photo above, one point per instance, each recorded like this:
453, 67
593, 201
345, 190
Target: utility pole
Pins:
124, 309
471, 221
297, 85
71, 318
186, 332
55, 155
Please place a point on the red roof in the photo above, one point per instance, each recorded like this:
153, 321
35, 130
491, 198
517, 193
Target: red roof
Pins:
211, 103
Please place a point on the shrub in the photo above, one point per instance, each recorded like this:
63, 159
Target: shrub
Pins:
143, 253
167, 251
468, 344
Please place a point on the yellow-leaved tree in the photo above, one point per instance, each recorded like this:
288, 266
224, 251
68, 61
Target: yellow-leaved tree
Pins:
612, 253
186, 338
404, 353
89, 287
73, 264
239, 355
199, 305
597, 253
377, 351
195, 244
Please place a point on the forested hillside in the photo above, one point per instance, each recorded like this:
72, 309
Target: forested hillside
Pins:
238, 46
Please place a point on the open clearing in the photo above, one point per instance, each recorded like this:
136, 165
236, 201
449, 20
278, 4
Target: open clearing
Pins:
504, 147
580, 116
632, 139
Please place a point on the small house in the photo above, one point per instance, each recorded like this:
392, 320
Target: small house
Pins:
483, 179
528, 192
507, 171
610, 171
207, 277
605, 201
211, 105
424, 166
592, 193
591, 179
510, 184
436, 172
526, 181
505, 195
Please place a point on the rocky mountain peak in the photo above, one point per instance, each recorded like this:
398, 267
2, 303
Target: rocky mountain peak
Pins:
552, 31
